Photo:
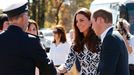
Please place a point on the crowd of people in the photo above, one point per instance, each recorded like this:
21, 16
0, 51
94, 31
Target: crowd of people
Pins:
96, 48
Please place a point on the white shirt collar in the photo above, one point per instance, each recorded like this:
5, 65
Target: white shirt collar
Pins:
104, 33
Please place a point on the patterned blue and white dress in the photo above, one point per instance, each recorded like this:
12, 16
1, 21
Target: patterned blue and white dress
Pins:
89, 61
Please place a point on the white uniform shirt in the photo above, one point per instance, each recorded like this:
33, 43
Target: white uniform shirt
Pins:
59, 53
131, 56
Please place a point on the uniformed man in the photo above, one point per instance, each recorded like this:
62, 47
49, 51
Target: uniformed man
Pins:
20, 52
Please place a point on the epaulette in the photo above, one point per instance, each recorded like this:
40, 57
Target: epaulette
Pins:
2, 31
32, 35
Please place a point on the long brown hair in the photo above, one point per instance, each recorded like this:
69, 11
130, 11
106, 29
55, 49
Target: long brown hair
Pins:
91, 40
60, 31
31, 21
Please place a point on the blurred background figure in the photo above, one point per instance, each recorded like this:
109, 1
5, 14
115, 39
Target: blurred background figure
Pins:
60, 47
32, 27
124, 28
3, 22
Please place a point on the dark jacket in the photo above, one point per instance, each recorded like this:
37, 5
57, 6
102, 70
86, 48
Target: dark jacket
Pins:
20, 53
114, 55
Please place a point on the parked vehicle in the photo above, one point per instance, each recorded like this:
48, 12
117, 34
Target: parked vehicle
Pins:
46, 36
47, 33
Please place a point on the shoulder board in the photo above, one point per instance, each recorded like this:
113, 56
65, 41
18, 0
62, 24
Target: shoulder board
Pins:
2, 31
32, 35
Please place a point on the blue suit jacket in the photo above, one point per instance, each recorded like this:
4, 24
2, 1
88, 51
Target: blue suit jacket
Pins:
114, 55
20, 53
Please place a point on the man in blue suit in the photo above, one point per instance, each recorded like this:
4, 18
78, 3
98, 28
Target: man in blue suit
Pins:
114, 55
21, 52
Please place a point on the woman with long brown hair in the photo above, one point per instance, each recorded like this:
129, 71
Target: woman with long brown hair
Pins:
85, 47
32, 27
59, 48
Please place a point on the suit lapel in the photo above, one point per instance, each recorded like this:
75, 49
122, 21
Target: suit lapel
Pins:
100, 64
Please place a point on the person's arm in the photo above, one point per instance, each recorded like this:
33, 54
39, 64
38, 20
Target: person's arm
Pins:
110, 55
69, 62
45, 65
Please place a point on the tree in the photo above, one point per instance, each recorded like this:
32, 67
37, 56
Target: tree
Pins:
52, 12
58, 9
68, 10
41, 13
37, 11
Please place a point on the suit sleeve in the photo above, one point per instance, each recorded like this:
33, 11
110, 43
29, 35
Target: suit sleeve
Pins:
45, 65
110, 55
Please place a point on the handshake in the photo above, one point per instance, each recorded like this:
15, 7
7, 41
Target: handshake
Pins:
61, 70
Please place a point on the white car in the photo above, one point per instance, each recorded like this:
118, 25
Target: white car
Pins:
46, 36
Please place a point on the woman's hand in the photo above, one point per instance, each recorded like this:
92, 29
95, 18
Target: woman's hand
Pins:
62, 69
58, 72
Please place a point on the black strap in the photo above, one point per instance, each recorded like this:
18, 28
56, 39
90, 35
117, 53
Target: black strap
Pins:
78, 67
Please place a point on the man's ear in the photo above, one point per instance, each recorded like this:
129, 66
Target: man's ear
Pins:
21, 18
